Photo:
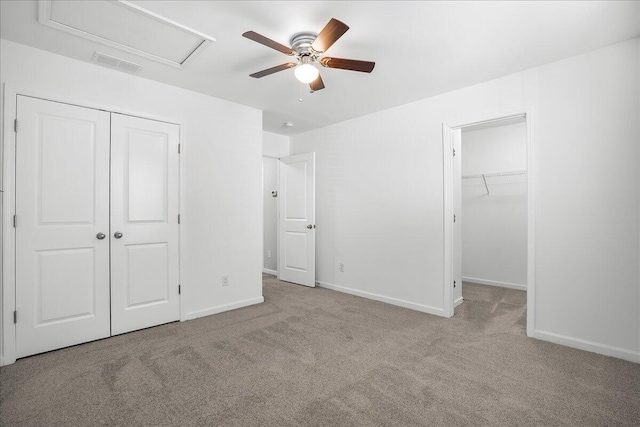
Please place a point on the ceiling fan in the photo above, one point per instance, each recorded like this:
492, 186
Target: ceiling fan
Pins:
307, 47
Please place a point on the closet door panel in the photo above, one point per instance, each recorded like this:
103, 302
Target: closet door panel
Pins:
62, 204
144, 214
146, 179
145, 286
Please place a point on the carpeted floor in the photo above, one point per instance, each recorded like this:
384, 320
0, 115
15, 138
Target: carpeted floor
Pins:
319, 357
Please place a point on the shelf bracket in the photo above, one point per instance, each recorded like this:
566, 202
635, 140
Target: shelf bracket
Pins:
485, 184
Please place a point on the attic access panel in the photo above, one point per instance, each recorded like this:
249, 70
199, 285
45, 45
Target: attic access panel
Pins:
126, 26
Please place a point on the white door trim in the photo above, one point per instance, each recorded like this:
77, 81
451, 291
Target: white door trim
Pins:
9, 100
447, 135
8, 347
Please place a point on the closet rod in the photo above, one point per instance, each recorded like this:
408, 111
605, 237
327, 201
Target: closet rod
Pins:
489, 175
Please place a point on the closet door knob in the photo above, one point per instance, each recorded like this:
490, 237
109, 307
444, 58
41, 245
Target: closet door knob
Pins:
100, 236
117, 234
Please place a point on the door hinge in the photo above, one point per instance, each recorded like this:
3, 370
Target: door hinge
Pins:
15, 316
15, 221
178, 218
179, 289
15, 125
454, 217
179, 148
454, 284
454, 152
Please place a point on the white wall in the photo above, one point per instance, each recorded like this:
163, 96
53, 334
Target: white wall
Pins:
275, 145
221, 168
495, 149
380, 196
494, 227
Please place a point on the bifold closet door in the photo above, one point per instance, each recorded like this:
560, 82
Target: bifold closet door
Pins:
62, 225
144, 223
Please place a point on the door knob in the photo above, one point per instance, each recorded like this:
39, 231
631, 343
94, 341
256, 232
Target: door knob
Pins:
100, 236
309, 226
117, 234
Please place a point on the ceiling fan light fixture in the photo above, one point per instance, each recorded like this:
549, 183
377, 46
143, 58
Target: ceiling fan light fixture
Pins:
305, 72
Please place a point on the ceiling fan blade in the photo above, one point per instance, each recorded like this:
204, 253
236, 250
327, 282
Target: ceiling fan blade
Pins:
317, 84
272, 70
252, 35
329, 34
348, 64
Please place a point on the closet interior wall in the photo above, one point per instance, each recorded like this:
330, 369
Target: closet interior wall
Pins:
494, 204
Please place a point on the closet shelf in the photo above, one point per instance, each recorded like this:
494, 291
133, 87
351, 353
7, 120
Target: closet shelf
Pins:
489, 175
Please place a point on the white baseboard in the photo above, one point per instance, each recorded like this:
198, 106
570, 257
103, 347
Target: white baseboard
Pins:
394, 301
222, 308
591, 346
271, 272
495, 283
458, 301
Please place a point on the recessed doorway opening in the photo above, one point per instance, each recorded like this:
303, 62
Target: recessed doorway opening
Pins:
489, 217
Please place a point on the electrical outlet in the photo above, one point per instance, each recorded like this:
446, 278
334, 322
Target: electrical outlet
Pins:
225, 280
268, 254
341, 267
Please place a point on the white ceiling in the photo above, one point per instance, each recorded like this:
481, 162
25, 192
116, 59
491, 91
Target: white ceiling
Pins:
421, 49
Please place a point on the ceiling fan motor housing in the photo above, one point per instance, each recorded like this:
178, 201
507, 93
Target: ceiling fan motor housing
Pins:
301, 42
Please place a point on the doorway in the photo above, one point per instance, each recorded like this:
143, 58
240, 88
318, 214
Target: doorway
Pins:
289, 229
270, 215
489, 219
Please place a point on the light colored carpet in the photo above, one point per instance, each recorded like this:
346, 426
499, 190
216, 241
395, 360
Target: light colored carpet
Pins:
318, 357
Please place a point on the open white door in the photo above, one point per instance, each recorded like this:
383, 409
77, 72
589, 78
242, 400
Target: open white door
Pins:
144, 223
297, 243
457, 212
62, 223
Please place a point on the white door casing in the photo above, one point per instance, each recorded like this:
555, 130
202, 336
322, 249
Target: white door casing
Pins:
457, 211
144, 209
62, 204
296, 260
